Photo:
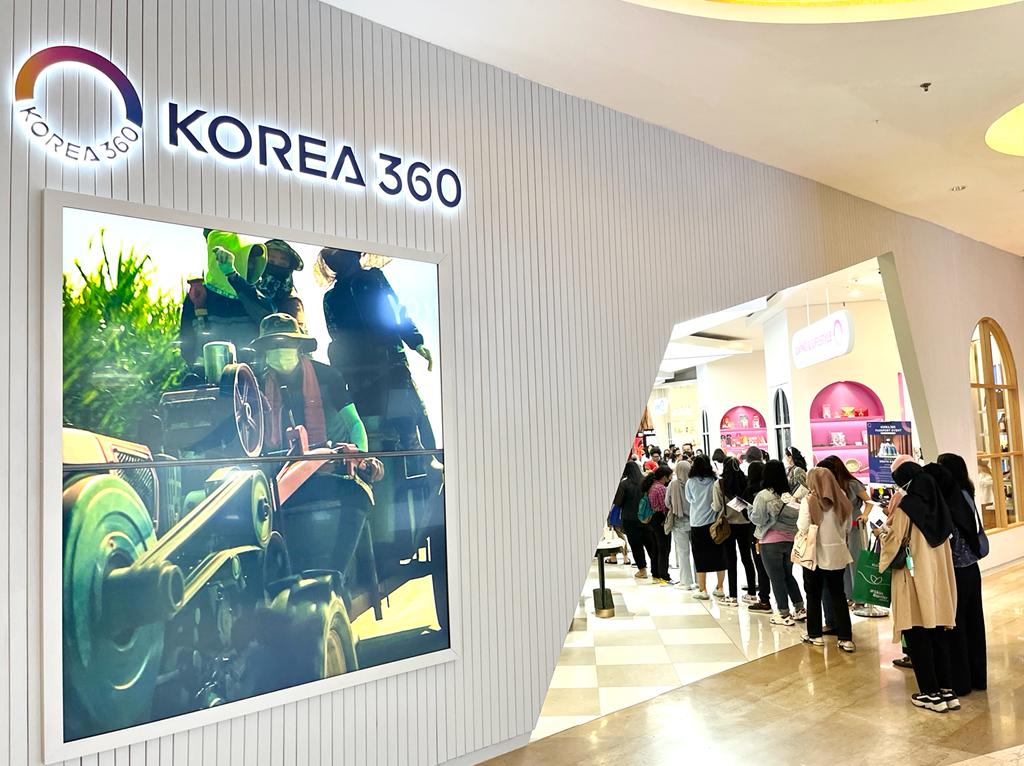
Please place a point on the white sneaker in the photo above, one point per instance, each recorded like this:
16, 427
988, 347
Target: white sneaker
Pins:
718, 593
932, 702
782, 619
681, 586
750, 599
702, 595
800, 615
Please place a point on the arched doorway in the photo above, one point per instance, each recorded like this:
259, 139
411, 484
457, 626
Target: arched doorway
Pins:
996, 401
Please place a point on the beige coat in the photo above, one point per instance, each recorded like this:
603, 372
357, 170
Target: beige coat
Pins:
928, 599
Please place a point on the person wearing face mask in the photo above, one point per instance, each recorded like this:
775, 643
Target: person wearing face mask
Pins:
301, 391
277, 284
916, 547
370, 330
220, 306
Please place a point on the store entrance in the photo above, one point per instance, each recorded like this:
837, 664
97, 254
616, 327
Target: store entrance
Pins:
809, 374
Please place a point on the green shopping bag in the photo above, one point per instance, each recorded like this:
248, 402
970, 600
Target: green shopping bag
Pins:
871, 586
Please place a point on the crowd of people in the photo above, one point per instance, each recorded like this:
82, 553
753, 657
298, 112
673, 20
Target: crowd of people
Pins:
718, 512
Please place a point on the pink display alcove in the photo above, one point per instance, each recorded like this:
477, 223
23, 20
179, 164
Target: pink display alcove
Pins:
839, 417
741, 428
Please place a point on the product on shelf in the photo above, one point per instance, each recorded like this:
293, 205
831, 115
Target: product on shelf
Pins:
826, 412
848, 411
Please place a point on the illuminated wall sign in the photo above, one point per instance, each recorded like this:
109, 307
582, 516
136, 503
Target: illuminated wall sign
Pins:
49, 133
825, 339
229, 137
224, 136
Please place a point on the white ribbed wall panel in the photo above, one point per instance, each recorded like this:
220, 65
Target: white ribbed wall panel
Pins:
584, 236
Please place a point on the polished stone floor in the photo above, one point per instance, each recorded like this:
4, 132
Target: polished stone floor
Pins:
659, 639
809, 705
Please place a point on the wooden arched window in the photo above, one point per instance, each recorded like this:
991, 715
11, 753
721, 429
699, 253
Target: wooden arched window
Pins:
997, 426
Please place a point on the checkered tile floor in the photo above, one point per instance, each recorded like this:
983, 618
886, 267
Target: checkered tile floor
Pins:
660, 638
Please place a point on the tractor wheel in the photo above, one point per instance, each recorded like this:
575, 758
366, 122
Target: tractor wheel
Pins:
238, 382
318, 613
109, 680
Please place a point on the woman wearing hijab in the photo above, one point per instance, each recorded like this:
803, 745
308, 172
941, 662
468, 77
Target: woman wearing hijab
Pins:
856, 538
679, 517
828, 508
923, 582
968, 650
627, 497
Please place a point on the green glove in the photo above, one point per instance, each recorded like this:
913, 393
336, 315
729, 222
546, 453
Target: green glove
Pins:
353, 424
425, 353
225, 261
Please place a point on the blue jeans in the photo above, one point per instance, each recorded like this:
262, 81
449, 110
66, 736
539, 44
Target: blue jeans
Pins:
775, 557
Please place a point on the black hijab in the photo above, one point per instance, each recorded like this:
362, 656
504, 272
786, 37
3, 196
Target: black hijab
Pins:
960, 510
923, 503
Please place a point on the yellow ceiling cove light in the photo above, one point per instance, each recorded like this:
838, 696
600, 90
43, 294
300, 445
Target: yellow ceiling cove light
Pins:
817, 11
1006, 134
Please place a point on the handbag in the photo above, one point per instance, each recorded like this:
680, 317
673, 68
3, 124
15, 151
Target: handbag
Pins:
805, 548
720, 529
899, 561
869, 585
983, 543
615, 517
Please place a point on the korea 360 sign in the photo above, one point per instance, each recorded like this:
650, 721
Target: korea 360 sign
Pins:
222, 136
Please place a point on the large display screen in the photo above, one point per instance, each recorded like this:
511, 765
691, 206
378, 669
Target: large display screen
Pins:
253, 474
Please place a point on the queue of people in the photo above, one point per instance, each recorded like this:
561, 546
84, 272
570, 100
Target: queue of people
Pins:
768, 515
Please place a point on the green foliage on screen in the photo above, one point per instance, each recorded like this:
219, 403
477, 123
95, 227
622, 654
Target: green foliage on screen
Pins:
120, 344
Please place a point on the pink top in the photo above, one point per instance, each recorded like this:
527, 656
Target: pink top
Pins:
776, 536
656, 497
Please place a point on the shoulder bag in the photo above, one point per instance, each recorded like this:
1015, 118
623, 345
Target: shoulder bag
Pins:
720, 529
805, 548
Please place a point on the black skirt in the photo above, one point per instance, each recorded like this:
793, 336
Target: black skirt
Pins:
708, 556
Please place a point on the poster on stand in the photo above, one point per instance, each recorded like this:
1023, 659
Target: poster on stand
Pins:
887, 440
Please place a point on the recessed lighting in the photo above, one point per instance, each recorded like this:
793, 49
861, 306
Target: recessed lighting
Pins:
957, 188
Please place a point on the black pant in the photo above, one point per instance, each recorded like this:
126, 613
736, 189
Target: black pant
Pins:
640, 539
741, 538
929, 651
815, 583
764, 582
662, 546
967, 650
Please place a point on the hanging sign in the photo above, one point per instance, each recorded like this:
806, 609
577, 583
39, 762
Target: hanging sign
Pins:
825, 339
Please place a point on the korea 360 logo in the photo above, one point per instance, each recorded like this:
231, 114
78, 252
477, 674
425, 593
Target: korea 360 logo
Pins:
50, 134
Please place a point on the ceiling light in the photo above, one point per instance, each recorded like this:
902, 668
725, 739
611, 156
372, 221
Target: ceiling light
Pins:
817, 11
957, 188
1006, 135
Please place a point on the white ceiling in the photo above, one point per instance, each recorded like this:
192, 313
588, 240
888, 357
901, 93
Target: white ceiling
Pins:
838, 103
742, 328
